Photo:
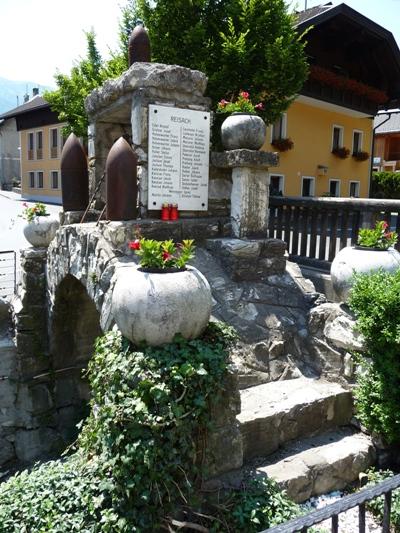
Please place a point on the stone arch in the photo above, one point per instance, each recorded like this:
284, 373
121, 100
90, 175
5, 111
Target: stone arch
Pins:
74, 326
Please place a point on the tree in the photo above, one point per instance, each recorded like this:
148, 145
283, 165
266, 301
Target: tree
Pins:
239, 44
68, 100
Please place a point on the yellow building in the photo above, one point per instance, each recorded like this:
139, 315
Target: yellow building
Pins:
324, 140
40, 143
310, 168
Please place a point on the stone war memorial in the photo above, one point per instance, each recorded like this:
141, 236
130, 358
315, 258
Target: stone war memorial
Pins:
287, 408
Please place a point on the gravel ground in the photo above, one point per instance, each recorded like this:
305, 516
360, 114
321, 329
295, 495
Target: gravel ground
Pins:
348, 521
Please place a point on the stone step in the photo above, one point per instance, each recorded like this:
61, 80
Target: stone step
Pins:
275, 413
321, 464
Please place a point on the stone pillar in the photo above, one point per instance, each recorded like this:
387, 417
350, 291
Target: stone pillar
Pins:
250, 189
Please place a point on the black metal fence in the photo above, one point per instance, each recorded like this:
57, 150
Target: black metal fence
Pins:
315, 229
332, 512
8, 273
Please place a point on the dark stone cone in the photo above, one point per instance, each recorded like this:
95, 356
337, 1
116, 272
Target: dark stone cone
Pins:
121, 184
74, 176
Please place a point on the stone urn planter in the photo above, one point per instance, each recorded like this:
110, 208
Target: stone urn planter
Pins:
360, 260
40, 231
153, 306
243, 130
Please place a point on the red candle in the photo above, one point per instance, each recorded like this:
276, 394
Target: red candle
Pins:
173, 212
165, 212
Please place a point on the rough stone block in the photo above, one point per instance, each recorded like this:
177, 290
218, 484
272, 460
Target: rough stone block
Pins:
34, 444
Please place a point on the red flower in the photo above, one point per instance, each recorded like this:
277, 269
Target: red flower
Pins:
223, 103
135, 245
244, 95
259, 107
166, 256
388, 235
385, 225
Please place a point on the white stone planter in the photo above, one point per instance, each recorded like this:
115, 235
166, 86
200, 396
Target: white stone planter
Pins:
154, 307
41, 230
360, 260
242, 130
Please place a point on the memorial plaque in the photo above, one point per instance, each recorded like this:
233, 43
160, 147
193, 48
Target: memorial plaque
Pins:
179, 141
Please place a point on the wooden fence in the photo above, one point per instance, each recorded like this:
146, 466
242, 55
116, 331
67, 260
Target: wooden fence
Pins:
315, 229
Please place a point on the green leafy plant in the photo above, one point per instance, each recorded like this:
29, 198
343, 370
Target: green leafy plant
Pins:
375, 300
139, 462
386, 185
163, 254
376, 506
31, 213
378, 237
242, 104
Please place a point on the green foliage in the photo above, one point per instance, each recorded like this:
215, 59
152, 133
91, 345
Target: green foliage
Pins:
163, 254
242, 104
375, 300
386, 185
137, 465
376, 506
239, 44
31, 213
68, 99
58, 496
378, 237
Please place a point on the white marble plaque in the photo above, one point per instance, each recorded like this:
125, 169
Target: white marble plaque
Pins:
179, 146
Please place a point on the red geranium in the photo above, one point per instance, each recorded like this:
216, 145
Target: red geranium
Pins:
134, 245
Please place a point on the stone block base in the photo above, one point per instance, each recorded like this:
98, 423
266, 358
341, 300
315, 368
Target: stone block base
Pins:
250, 260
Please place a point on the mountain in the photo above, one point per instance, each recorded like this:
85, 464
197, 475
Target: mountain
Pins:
9, 90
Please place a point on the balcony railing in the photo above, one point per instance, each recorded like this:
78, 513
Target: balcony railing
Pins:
315, 229
332, 512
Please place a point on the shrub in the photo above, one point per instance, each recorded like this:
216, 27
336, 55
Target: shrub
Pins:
376, 506
385, 185
136, 467
375, 300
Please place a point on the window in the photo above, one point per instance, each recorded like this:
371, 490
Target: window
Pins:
31, 180
279, 128
40, 179
31, 146
337, 137
39, 145
54, 179
307, 186
357, 141
276, 185
354, 189
334, 187
53, 143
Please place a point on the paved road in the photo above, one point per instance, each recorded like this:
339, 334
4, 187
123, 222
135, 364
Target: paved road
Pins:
11, 234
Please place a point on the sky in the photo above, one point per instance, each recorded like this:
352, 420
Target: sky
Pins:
38, 37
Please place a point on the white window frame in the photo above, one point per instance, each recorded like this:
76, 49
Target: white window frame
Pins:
312, 188
283, 117
51, 180
337, 180
361, 140
36, 148
358, 188
341, 135
58, 142
281, 180
28, 133
37, 179
29, 179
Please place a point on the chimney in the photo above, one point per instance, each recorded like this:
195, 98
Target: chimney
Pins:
35, 91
